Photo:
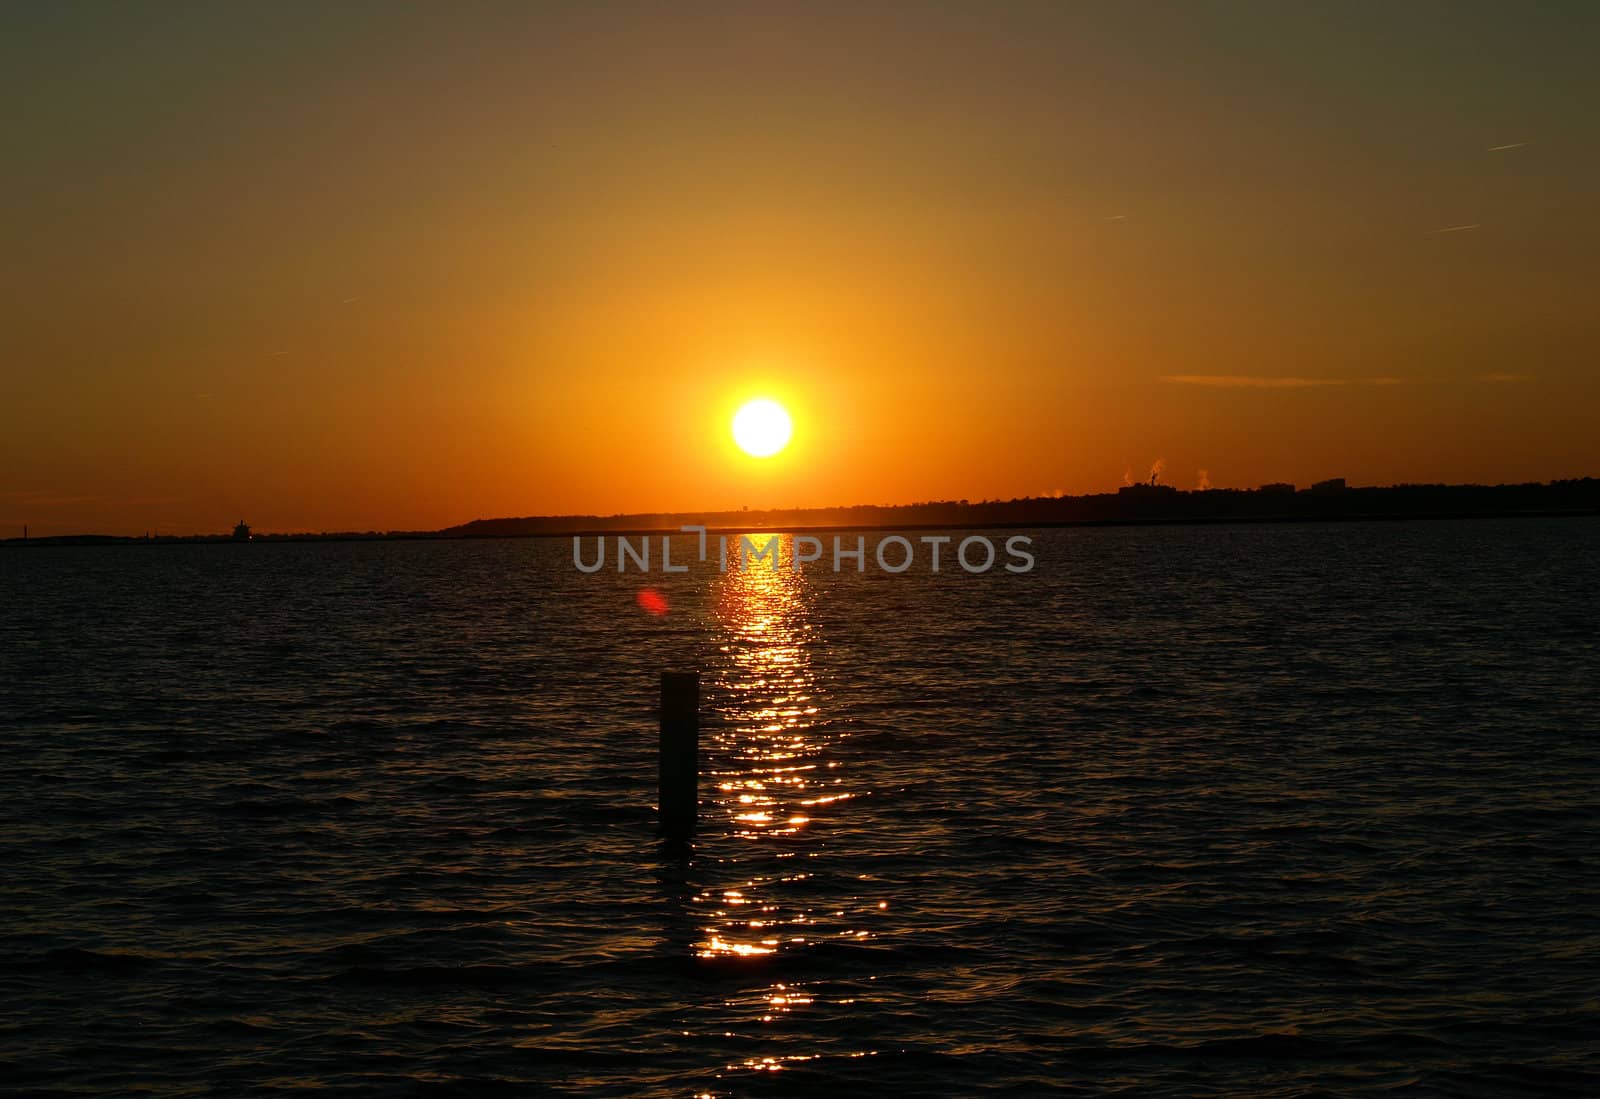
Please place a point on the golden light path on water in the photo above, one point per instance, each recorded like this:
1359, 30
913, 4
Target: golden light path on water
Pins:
769, 784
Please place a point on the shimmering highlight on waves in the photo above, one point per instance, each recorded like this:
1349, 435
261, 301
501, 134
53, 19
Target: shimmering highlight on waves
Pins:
1256, 810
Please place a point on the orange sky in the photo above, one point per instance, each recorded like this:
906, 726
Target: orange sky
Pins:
399, 267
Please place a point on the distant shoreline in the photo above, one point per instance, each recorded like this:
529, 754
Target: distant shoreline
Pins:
1136, 505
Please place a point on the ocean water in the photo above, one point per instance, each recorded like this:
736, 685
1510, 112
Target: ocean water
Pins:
1255, 810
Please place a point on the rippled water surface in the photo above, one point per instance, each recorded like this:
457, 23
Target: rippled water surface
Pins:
1261, 810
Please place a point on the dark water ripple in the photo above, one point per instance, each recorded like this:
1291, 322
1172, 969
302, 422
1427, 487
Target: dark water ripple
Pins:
1278, 811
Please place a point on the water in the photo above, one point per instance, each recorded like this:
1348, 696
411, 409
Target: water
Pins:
1266, 810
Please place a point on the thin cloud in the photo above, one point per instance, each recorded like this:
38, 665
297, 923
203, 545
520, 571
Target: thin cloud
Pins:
36, 498
1512, 145
1457, 228
1261, 381
1505, 379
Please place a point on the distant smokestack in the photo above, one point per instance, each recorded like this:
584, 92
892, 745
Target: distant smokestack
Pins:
1157, 468
1203, 481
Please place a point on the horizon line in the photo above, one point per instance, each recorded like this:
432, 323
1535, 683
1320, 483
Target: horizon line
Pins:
1276, 489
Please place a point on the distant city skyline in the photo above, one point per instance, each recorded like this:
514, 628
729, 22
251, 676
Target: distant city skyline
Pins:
405, 266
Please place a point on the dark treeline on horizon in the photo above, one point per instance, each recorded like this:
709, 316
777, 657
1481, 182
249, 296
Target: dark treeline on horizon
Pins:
1139, 503
1133, 504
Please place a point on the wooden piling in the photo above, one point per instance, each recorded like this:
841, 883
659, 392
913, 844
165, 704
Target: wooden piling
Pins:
680, 754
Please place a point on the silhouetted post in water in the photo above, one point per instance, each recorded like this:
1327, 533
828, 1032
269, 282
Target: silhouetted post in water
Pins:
680, 754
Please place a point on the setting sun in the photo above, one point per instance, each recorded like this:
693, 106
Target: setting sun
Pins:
762, 428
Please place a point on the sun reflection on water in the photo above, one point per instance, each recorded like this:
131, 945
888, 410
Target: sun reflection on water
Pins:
768, 773
776, 789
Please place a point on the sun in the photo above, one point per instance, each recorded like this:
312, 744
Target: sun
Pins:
762, 428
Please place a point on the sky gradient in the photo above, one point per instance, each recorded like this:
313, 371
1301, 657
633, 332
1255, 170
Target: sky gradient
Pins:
377, 266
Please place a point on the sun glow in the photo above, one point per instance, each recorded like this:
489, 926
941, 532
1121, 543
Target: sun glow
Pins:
762, 428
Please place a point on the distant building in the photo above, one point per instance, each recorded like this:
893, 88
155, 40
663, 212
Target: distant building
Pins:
241, 533
1332, 484
1278, 488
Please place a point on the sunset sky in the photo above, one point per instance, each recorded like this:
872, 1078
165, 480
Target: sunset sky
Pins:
391, 266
